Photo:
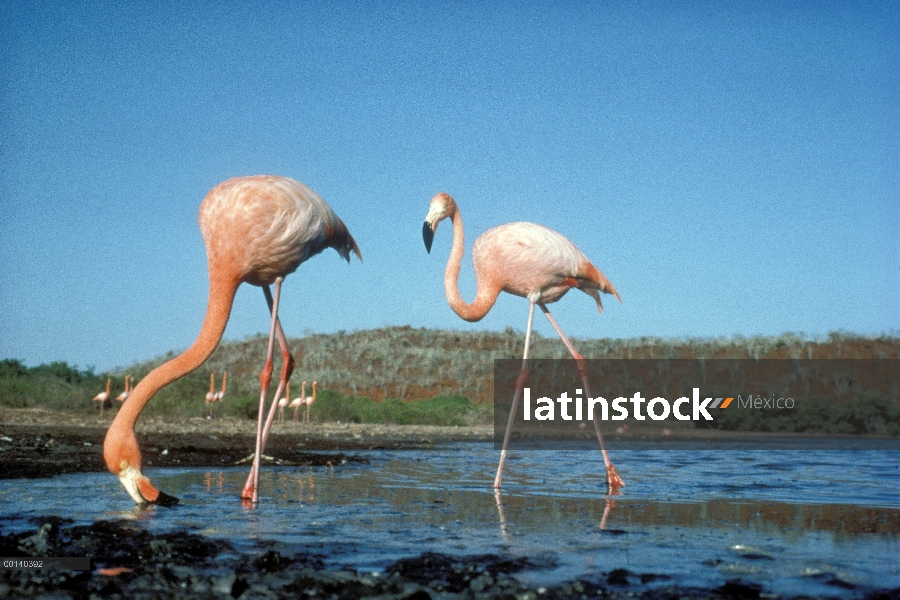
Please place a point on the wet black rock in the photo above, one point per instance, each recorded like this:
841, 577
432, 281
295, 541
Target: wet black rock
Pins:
130, 562
619, 577
739, 590
452, 574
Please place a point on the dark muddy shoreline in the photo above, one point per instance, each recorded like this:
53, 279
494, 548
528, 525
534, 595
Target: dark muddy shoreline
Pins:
38, 443
32, 451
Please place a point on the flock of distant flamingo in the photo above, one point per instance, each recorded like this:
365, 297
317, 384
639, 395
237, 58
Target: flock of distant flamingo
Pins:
296, 403
213, 397
259, 229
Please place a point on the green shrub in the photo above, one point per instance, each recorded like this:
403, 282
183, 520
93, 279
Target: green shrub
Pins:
443, 410
865, 415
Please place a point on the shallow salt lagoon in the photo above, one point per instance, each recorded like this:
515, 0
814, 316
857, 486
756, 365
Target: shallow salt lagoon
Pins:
813, 522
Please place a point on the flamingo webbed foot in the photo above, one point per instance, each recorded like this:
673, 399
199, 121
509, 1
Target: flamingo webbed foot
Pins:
247, 493
613, 481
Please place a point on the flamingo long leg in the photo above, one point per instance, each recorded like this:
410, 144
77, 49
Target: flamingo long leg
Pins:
520, 384
613, 481
251, 488
287, 368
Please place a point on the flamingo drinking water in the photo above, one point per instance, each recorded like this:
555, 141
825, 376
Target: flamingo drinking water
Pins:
257, 230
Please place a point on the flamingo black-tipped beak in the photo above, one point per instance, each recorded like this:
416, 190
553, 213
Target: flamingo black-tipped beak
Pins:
427, 235
141, 490
166, 500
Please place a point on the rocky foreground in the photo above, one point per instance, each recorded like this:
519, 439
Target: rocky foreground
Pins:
129, 562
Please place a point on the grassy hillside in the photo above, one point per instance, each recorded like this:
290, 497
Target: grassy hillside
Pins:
399, 363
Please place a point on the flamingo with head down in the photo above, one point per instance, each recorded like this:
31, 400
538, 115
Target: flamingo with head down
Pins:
257, 230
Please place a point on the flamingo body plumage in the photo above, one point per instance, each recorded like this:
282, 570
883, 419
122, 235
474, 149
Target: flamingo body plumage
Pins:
518, 247
257, 230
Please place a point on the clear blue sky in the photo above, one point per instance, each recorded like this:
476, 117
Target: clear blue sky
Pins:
732, 167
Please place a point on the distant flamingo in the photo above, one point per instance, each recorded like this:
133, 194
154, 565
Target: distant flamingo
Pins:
211, 394
102, 397
526, 260
124, 395
221, 393
257, 230
283, 402
309, 402
297, 402
213, 397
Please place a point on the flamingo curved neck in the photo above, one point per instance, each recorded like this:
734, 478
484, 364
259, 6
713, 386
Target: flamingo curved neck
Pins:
484, 296
120, 444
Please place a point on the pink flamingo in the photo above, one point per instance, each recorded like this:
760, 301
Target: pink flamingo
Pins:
216, 397
283, 402
211, 394
257, 230
297, 402
102, 397
526, 260
221, 393
309, 402
124, 395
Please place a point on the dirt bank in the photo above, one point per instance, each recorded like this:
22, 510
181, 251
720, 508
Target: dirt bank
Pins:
39, 443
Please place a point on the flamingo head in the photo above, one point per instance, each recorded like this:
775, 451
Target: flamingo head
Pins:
123, 457
441, 207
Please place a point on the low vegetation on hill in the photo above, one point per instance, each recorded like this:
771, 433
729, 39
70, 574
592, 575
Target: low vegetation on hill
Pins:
393, 374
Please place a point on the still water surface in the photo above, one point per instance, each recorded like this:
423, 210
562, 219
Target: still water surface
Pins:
795, 522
